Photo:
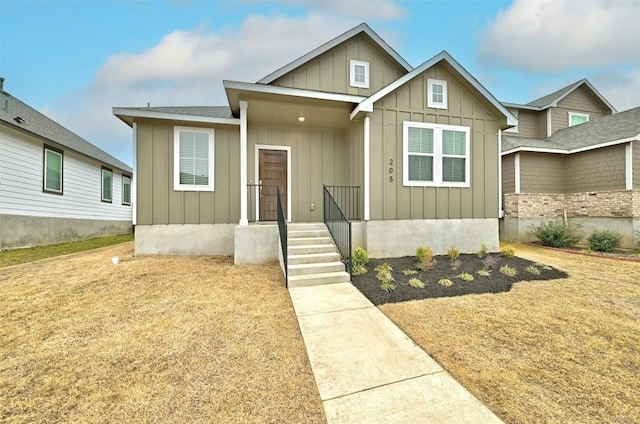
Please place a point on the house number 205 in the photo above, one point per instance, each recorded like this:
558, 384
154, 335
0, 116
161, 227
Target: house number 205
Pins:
390, 170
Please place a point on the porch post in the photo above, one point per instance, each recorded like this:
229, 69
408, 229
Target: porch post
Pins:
243, 163
516, 166
366, 167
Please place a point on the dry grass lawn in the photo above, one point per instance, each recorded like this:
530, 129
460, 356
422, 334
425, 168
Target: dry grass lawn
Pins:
563, 351
152, 339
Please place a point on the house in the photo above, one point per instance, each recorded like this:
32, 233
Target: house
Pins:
571, 155
54, 185
412, 153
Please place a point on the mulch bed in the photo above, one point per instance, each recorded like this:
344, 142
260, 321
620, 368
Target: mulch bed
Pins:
497, 282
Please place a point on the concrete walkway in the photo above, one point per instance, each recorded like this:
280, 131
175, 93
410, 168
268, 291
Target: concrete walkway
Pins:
368, 371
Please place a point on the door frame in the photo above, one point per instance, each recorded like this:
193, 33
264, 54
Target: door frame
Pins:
257, 173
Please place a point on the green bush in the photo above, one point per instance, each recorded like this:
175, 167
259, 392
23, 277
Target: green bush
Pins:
604, 241
557, 233
483, 252
424, 254
453, 253
637, 236
359, 259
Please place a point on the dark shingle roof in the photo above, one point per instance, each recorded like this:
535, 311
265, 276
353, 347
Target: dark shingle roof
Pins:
208, 111
619, 126
37, 123
550, 99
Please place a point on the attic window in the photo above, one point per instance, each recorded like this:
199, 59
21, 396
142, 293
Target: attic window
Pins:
436, 94
577, 118
359, 74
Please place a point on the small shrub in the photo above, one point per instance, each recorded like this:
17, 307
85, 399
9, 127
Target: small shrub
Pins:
424, 254
484, 273
456, 264
445, 282
490, 262
453, 253
415, 282
507, 251
604, 241
532, 270
409, 272
383, 267
383, 273
484, 251
636, 234
359, 259
388, 286
465, 276
508, 270
557, 233
426, 266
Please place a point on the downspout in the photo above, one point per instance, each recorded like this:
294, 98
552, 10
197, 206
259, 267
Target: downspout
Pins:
134, 177
243, 163
366, 166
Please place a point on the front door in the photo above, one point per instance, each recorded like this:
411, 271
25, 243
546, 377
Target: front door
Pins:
273, 172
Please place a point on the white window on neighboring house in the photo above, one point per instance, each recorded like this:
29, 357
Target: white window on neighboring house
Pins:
435, 155
359, 74
436, 93
107, 185
126, 190
576, 118
52, 170
193, 154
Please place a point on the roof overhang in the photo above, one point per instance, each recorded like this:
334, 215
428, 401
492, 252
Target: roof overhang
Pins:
570, 151
128, 116
237, 91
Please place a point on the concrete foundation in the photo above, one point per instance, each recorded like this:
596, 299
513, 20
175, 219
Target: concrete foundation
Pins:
256, 243
24, 231
188, 239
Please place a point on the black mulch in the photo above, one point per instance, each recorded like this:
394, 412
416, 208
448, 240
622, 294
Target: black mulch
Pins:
498, 282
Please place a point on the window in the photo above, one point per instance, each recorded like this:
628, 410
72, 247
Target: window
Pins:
126, 190
107, 184
437, 94
359, 75
193, 159
52, 178
577, 118
435, 155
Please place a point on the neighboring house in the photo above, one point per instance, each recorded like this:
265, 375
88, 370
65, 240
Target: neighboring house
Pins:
572, 155
54, 185
421, 144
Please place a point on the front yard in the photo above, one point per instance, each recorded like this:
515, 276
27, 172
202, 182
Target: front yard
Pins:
559, 351
151, 339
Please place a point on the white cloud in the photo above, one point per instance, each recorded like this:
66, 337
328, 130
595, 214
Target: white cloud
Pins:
356, 9
556, 35
620, 87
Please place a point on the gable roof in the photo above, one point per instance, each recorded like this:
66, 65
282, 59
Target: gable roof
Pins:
551, 100
34, 122
367, 104
205, 114
362, 28
609, 130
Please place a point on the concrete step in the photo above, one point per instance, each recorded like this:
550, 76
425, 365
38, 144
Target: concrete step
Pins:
318, 279
317, 268
307, 233
306, 241
313, 258
310, 249
306, 226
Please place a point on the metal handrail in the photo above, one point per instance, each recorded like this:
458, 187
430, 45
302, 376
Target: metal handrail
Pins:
339, 227
347, 199
282, 228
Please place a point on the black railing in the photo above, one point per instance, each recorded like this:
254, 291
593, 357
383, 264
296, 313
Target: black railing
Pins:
282, 228
339, 226
262, 202
348, 200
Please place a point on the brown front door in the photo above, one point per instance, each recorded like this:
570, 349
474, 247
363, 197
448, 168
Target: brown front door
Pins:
273, 172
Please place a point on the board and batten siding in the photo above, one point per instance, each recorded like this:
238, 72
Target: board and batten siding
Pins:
581, 100
541, 173
318, 156
389, 198
21, 174
330, 71
158, 203
596, 170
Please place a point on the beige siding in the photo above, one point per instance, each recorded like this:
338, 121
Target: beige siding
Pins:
318, 156
541, 124
389, 198
581, 100
330, 71
595, 170
636, 165
541, 173
528, 123
508, 174
158, 203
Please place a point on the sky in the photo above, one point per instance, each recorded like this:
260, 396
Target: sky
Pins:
74, 60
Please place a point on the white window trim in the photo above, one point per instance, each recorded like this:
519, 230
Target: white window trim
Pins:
577, 114
430, 102
44, 173
352, 74
124, 176
102, 193
437, 155
176, 160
